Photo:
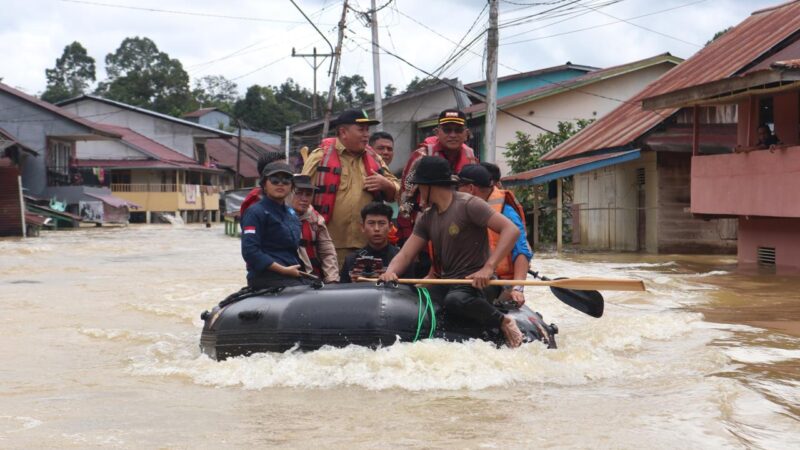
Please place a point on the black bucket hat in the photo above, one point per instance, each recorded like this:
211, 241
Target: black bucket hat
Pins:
432, 170
304, 182
475, 174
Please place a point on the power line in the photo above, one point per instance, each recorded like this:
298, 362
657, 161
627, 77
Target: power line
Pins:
601, 25
642, 27
184, 13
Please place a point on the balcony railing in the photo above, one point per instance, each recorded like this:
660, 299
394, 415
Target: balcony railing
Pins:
144, 187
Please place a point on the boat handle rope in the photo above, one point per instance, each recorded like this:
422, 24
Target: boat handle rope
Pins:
422, 312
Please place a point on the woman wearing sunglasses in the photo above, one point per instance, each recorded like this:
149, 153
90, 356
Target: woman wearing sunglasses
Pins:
271, 232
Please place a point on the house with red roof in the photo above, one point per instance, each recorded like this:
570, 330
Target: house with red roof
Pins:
754, 70
633, 171
159, 162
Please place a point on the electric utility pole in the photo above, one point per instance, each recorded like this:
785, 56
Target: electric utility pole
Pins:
490, 134
376, 68
314, 65
337, 58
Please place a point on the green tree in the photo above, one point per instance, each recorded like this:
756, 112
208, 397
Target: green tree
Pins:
525, 154
141, 75
73, 73
297, 100
352, 91
417, 84
215, 91
389, 91
719, 34
261, 110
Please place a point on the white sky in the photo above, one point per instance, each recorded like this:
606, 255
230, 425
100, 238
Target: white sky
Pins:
33, 33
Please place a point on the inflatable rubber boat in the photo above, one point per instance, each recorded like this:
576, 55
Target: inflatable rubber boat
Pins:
338, 315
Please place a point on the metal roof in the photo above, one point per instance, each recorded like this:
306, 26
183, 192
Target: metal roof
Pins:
200, 112
534, 73
92, 126
734, 53
7, 140
223, 151
568, 168
145, 111
572, 84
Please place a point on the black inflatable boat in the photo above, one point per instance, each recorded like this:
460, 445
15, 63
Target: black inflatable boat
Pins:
306, 317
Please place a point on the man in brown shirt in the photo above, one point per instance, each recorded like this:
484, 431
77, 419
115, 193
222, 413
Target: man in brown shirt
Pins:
456, 223
349, 177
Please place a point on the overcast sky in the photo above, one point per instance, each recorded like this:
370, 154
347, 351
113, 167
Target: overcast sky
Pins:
250, 41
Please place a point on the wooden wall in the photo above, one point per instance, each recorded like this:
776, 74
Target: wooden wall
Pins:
10, 203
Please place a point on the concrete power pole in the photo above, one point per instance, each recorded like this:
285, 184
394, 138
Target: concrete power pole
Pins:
493, 39
337, 58
376, 67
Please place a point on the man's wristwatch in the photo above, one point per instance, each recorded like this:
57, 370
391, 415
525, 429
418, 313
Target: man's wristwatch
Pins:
519, 288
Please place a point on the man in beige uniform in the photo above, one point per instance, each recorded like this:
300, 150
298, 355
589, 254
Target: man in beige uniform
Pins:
349, 180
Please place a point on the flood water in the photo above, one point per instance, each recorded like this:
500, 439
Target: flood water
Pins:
100, 331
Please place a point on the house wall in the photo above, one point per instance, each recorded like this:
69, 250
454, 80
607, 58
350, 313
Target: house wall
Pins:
213, 119
176, 136
572, 105
778, 233
11, 222
678, 230
609, 206
31, 125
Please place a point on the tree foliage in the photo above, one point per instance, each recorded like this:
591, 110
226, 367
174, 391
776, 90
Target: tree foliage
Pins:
141, 75
73, 73
389, 91
417, 84
215, 91
352, 91
719, 34
525, 153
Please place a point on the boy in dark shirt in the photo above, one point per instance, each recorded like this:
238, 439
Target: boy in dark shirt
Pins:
376, 221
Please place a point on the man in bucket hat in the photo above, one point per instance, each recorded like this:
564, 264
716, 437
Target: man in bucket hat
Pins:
348, 178
455, 223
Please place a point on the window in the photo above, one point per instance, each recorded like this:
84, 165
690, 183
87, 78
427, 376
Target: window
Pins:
766, 112
58, 158
200, 153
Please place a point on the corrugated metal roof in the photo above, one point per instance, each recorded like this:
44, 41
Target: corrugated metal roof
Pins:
5, 135
568, 168
534, 73
145, 111
224, 151
572, 84
732, 54
55, 110
200, 112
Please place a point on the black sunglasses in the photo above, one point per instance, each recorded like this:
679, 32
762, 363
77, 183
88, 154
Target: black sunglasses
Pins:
452, 130
276, 179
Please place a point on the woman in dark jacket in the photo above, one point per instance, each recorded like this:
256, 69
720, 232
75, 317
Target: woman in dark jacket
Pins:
271, 232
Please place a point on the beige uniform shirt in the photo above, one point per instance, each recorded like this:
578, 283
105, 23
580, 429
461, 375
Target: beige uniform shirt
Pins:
345, 225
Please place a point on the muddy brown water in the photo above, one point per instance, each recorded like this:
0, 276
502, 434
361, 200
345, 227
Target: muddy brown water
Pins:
100, 350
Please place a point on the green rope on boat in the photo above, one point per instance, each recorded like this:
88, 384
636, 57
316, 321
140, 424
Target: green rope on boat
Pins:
422, 312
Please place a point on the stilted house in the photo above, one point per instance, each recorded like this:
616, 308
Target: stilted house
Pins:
754, 70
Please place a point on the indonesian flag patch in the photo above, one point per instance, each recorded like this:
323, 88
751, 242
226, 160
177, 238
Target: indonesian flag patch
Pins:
249, 230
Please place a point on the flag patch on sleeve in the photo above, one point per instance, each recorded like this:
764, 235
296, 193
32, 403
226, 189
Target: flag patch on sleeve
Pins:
249, 230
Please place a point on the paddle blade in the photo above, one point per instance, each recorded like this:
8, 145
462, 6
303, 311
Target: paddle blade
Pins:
588, 302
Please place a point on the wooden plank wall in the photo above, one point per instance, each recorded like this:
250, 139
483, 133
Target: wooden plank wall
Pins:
10, 207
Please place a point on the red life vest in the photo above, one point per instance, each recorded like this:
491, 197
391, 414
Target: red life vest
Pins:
308, 240
497, 199
329, 174
252, 197
465, 156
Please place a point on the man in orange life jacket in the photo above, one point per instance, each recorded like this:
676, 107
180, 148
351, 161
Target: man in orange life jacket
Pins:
476, 180
448, 143
316, 246
348, 178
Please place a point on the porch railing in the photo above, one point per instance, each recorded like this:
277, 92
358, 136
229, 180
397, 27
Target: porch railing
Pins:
144, 187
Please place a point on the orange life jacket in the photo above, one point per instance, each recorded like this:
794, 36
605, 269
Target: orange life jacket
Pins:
497, 199
329, 174
308, 240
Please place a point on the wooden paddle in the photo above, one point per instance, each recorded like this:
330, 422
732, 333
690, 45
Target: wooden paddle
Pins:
578, 284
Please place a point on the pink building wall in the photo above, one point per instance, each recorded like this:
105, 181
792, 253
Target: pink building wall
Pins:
782, 234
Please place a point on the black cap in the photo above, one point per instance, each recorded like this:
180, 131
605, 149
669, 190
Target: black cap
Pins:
354, 117
273, 168
303, 182
432, 170
452, 116
475, 174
